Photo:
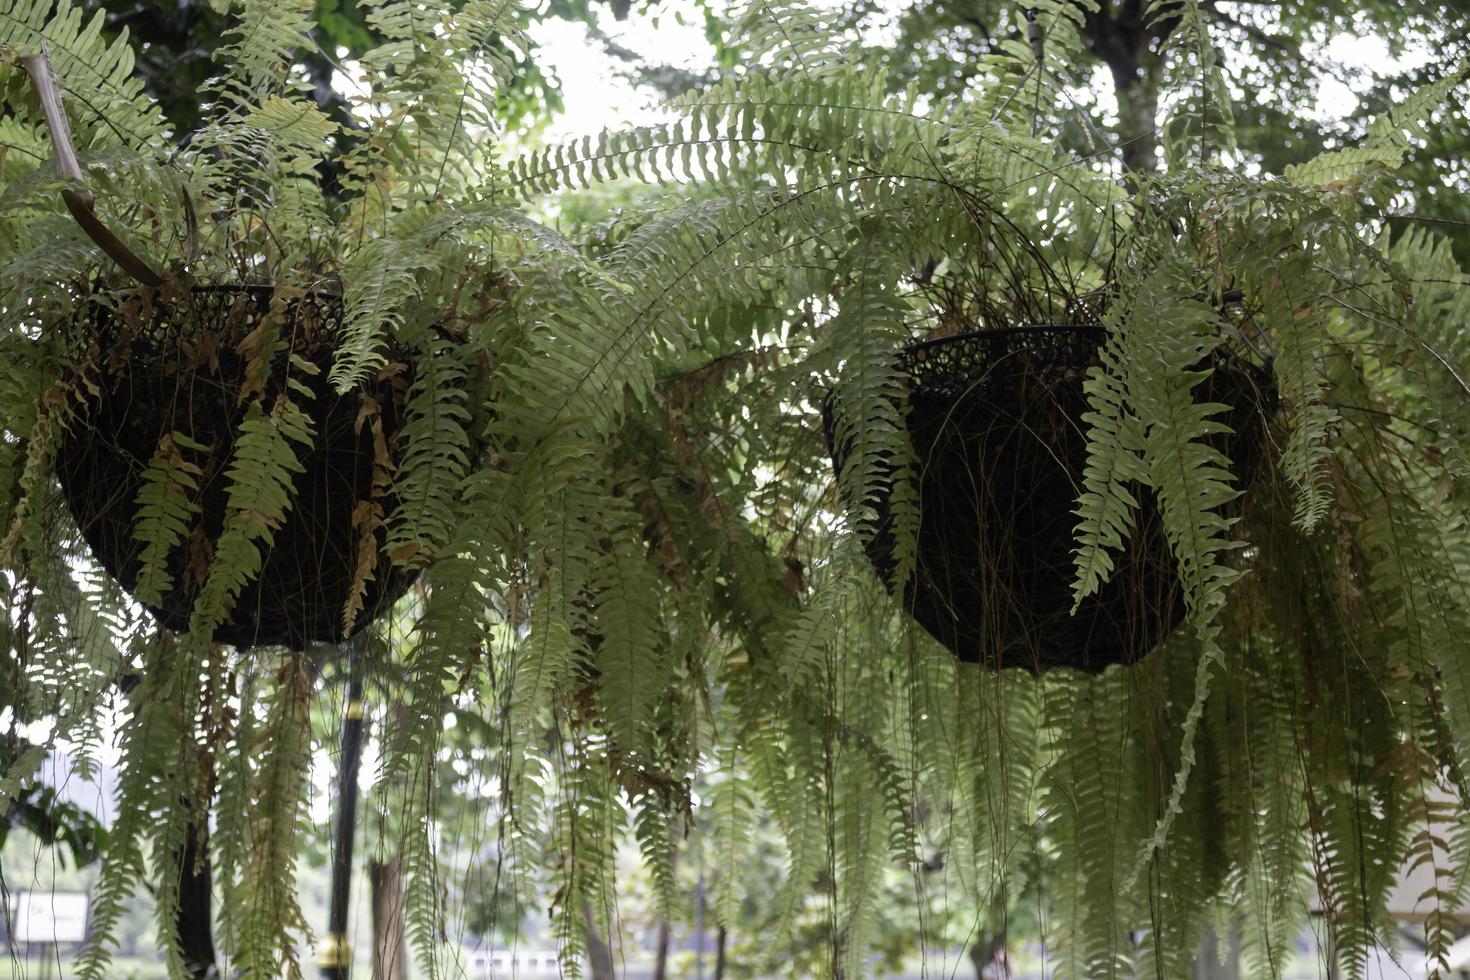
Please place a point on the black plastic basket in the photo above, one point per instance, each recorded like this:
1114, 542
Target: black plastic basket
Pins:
160, 365
995, 419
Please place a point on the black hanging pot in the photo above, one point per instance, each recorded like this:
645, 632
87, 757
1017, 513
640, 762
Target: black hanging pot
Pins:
166, 368
164, 364
995, 419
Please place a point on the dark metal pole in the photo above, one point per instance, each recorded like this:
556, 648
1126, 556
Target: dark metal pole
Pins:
336, 955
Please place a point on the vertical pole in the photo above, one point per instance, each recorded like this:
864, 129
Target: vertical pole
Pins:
336, 956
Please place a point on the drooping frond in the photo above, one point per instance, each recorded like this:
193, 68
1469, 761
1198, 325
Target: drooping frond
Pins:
165, 505
259, 497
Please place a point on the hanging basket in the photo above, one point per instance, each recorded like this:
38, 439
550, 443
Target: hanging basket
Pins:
995, 419
160, 364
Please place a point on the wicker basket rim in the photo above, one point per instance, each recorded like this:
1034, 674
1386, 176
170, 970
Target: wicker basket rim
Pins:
913, 347
106, 301
258, 288
1001, 332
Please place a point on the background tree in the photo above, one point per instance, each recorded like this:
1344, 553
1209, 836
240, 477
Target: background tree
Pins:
1277, 60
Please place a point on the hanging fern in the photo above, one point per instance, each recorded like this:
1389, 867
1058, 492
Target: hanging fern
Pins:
601, 456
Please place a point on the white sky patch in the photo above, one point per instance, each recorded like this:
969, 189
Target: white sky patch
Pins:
1335, 99
595, 93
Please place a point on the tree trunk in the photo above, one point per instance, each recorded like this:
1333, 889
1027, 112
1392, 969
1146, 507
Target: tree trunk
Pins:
1138, 110
982, 955
1210, 964
661, 965
599, 954
721, 939
196, 936
1128, 44
390, 952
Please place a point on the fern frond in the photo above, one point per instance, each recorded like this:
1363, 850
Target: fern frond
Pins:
382, 283
435, 457
154, 798
261, 478
108, 104
165, 508
1105, 511
270, 920
733, 812
653, 828
631, 667
260, 49
789, 37
1388, 141
1175, 335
